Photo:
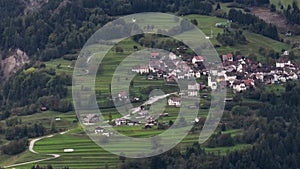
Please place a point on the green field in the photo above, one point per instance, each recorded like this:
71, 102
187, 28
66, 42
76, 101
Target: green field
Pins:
88, 155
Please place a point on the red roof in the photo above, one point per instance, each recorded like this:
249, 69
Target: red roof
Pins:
198, 57
248, 82
227, 57
154, 54
123, 94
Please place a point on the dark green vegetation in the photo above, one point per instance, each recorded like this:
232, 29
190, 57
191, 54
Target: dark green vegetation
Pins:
253, 24
260, 125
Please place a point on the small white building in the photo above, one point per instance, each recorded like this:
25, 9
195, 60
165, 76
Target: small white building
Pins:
174, 101
239, 87
193, 86
281, 63
193, 93
197, 59
99, 130
120, 121
172, 56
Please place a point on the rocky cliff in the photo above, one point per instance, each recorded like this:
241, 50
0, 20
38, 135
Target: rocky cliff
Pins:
13, 63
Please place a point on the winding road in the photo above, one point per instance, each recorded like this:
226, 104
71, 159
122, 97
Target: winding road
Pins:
31, 146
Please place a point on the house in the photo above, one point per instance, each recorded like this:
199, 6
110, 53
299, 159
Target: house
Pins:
197, 74
289, 33
44, 108
269, 79
230, 76
221, 24
154, 65
286, 53
293, 76
214, 85
140, 69
193, 86
259, 76
143, 113
192, 93
249, 82
174, 101
281, 63
150, 77
99, 130
150, 121
171, 79
123, 95
120, 121
228, 57
90, 119
197, 59
154, 55
172, 56
239, 86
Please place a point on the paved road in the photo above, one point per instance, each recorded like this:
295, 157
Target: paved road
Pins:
31, 146
150, 101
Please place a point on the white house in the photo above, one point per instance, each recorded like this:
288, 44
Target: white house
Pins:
140, 69
122, 95
286, 53
214, 85
197, 74
293, 76
99, 130
238, 86
193, 86
197, 59
154, 54
120, 121
192, 93
230, 77
280, 63
174, 101
90, 119
172, 56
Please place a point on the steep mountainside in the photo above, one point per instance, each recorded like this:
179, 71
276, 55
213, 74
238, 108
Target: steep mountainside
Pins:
13, 63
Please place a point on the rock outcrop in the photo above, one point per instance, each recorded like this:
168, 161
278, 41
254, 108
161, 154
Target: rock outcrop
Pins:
13, 63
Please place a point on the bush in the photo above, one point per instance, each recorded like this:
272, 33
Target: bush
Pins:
70, 57
15, 147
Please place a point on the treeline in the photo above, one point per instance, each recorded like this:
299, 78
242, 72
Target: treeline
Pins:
18, 133
33, 88
248, 2
231, 37
253, 2
57, 30
292, 13
253, 24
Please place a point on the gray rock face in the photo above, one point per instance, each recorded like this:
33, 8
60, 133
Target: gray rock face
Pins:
13, 63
